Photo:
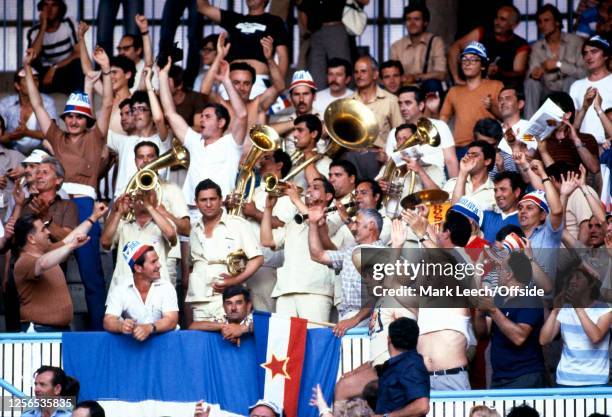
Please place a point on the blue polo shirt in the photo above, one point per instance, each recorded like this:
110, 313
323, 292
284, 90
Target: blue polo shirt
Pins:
545, 242
508, 360
404, 379
493, 221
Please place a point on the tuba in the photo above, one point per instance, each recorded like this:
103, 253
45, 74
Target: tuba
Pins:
147, 179
395, 176
350, 124
264, 139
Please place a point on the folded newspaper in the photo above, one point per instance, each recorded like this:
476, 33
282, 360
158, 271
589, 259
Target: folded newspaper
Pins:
542, 123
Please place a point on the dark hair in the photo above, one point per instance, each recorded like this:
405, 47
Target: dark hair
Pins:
213, 38
488, 151
126, 65
594, 283
564, 101
419, 96
126, 102
417, 6
392, 63
559, 168
518, 91
521, 268
327, 186
517, 13
59, 376
235, 290
208, 184
516, 180
553, 10
23, 227
140, 97
403, 126
282, 156
347, 166
71, 388
94, 408
2, 124
176, 73
243, 66
340, 62
312, 123
598, 45
375, 190
404, 333
506, 230
141, 259
370, 393
221, 113
62, 6
136, 41
523, 411
459, 227
490, 128
146, 143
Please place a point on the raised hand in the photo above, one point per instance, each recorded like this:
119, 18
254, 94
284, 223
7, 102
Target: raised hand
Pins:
538, 168
99, 210
77, 241
222, 47
399, 233
142, 23
569, 183
100, 57
148, 74
466, 164
589, 96
83, 28
267, 44
29, 57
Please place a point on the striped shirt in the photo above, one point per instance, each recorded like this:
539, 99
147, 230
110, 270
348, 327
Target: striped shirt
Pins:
582, 362
57, 45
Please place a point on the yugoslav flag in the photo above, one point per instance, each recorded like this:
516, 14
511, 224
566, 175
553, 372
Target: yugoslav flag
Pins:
280, 344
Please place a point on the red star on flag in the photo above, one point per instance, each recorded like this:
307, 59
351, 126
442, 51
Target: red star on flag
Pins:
277, 366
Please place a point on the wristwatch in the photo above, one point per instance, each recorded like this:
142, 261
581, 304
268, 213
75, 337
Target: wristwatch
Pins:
154, 328
424, 237
559, 64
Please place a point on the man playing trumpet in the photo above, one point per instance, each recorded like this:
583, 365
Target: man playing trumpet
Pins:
215, 240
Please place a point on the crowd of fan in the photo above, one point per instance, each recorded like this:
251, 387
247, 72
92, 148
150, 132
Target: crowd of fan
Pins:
67, 187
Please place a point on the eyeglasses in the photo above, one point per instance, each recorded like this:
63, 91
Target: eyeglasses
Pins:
465, 60
140, 109
124, 48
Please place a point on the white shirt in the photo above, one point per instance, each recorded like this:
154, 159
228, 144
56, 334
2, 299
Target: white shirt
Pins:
126, 165
324, 99
217, 161
518, 129
125, 301
591, 123
430, 154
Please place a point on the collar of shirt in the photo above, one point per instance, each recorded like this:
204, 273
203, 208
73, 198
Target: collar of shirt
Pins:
504, 216
424, 39
488, 185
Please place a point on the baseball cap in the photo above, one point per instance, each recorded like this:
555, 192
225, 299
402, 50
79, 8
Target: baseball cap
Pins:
276, 409
470, 209
302, 77
134, 250
538, 198
476, 48
599, 42
35, 157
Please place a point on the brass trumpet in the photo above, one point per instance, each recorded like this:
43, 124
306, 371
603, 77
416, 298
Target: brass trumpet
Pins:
351, 209
274, 186
236, 262
146, 179
426, 134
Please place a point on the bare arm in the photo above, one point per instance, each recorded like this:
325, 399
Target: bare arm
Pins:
450, 160
278, 83
213, 13
238, 125
44, 120
207, 326
178, 125
107, 95
143, 26
465, 165
265, 231
86, 64
551, 328
120, 208
595, 331
283, 60
156, 110
317, 253
165, 225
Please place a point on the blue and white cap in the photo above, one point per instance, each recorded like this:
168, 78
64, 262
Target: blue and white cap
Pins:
134, 250
537, 197
302, 77
276, 409
79, 103
478, 49
599, 42
470, 209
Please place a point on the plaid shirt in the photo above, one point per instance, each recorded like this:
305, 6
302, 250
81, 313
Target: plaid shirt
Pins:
349, 276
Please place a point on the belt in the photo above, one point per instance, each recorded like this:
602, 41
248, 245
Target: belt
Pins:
334, 23
452, 371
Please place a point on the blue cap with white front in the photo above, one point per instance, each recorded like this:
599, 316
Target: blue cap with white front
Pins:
478, 49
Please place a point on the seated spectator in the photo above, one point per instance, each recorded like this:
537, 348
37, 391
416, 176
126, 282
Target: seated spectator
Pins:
473, 180
474, 100
238, 318
49, 381
584, 323
514, 323
339, 76
391, 73
10, 160
421, 53
404, 383
483, 411
555, 61
145, 306
54, 46
262, 408
23, 133
88, 409
508, 52
45, 303
208, 53
596, 54
25, 175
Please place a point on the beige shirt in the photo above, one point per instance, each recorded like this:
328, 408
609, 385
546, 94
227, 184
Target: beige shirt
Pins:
412, 55
577, 211
148, 234
230, 234
300, 274
484, 196
174, 201
386, 108
284, 210
322, 165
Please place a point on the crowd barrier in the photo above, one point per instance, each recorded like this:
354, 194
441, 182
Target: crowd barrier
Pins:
21, 354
